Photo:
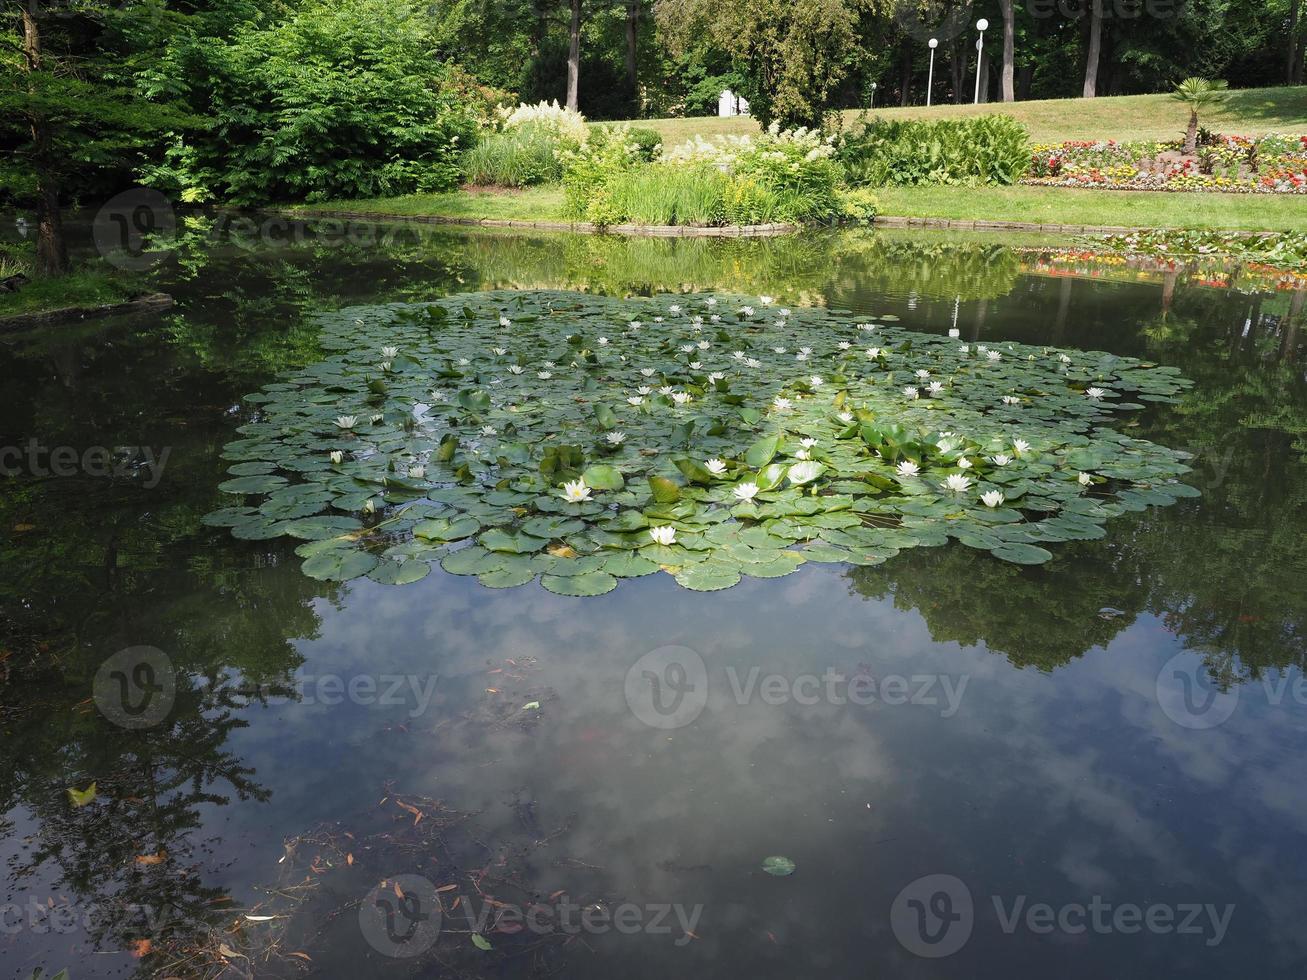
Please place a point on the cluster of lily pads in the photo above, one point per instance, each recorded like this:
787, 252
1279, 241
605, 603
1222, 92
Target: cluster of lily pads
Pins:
586, 439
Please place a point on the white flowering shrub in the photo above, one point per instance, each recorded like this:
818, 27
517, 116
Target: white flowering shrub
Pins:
566, 124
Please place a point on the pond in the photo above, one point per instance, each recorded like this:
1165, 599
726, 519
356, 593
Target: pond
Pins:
940, 765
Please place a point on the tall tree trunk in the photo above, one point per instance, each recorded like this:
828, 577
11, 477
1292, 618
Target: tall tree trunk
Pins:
1095, 50
1293, 65
51, 249
632, 27
1009, 50
956, 63
1191, 134
574, 55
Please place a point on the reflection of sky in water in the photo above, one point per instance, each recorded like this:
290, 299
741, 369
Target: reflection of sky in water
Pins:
1054, 785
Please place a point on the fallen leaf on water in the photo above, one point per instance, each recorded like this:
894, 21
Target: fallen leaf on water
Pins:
561, 551
24, 528
446, 888
81, 797
530, 705
262, 918
141, 948
149, 859
480, 941
349, 858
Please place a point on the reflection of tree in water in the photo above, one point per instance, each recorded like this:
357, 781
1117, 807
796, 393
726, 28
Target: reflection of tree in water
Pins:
1038, 617
1225, 572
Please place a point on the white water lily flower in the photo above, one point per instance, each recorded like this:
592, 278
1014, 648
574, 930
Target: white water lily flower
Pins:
437, 395
603, 341
804, 472
807, 442
648, 372
635, 400
779, 350
711, 301
635, 324
644, 390
575, 491
666, 390
783, 312
992, 499
1002, 459
389, 353
1084, 479
844, 345
370, 506
1020, 446
696, 365
385, 367
954, 333
515, 369
753, 362
715, 466
981, 348
782, 404
673, 309
747, 310
337, 457
417, 472
911, 392
687, 348
956, 482
873, 352
766, 300
716, 376
681, 397
935, 387
505, 321
658, 319
548, 364
463, 362
816, 381
616, 438
1064, 358
663, 535
499, 351
922, 373
800, 357
964, 463
947, 443
346, 421
802, 454
745, 491
908, 468
845, 417
544, 375
964, 349
1094, 394
489, 430
739, 355
994, 356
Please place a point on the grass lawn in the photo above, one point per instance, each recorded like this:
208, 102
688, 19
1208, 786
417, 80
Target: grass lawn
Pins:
1250, 112
1070, 206
80, 288
529, 204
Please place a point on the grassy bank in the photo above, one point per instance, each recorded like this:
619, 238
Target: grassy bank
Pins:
528, 204
1061, 205
1250, 112
82, 288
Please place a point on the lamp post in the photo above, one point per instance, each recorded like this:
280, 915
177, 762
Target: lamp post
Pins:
873, 95
981, 25
930, 81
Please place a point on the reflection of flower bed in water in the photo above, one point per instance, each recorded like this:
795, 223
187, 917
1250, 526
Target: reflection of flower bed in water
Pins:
1216, 259
587, 439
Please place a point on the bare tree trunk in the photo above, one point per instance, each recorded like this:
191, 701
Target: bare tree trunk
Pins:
632, 27
51, 249
574, 55
1095, 50
1294, 55
1009, 50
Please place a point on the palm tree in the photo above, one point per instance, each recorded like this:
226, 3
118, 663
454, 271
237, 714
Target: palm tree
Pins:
1198, 94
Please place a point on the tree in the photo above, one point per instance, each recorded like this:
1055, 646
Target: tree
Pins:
794, 55
1095, 50
1198, 94
64, 113
1009, 50
574, 55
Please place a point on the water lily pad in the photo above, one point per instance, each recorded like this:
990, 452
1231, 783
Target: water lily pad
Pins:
585, 584
779, 866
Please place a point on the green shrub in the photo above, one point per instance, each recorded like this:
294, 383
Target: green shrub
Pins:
984, 150
648, 142
588, 169
342, 99
514, 158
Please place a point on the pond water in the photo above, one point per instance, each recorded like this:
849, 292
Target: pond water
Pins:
976, 768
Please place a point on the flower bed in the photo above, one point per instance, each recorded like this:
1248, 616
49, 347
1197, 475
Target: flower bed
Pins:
1272, 164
